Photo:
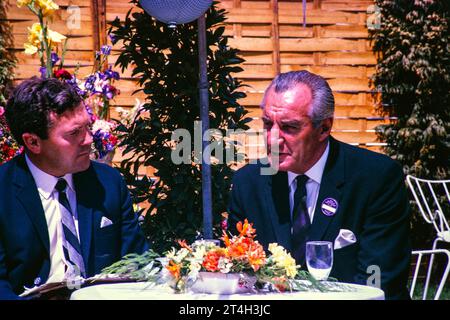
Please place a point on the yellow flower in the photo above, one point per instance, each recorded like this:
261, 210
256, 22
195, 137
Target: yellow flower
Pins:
30, 49
291, 269
48, 7
54, 36
21, 3
35, 38
35, 33
283, 259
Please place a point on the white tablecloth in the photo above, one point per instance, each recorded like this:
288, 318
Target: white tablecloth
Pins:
143, 291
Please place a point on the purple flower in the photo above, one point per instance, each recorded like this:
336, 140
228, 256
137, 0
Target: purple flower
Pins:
110, 74
55, 58
106, 50
43, 71
104, 142
109, 91
102, 76
224, 224
90, 83
73, 82
113, 38
89, 111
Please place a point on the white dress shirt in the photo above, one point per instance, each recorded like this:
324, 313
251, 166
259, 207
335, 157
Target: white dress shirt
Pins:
49, 197
312, 185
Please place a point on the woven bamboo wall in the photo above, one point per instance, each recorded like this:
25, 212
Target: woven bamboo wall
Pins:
271, 38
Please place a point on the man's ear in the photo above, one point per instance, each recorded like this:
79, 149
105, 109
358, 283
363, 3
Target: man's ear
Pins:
325, 128
32, 142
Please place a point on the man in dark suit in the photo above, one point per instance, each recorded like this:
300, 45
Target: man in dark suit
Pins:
324, 189
61, 215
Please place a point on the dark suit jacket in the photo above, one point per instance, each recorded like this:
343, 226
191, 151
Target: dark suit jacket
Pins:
24, 239
369, 188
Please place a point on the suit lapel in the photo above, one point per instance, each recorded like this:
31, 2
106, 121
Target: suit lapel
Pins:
332, 180
277, 197
85, 197
28, 195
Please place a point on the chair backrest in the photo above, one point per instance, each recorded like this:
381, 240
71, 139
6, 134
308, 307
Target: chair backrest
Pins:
441, 283
433, 198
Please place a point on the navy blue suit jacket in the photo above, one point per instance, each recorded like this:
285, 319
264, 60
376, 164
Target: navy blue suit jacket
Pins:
24, 238
372, 203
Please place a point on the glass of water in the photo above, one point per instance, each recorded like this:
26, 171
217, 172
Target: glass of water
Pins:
319, 258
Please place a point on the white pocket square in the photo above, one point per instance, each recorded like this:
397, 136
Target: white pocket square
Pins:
105, 222
344, 239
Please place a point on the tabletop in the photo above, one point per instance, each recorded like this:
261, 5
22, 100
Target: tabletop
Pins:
145, 291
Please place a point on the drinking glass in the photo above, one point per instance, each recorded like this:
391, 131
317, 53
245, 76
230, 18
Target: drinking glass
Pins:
319, 259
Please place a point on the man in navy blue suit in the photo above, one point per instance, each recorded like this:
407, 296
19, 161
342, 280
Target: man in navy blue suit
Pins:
60, 213
324, 189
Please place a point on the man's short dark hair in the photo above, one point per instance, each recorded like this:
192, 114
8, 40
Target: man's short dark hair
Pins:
31, 103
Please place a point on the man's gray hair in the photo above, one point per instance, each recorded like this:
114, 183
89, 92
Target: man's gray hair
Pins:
322, 96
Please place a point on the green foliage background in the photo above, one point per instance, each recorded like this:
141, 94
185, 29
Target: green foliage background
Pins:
166, 63
413, 76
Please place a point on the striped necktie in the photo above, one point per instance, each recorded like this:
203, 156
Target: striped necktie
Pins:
301, 222
71, 243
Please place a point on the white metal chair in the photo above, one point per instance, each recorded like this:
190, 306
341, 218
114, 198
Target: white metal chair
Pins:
432, 198
432, 253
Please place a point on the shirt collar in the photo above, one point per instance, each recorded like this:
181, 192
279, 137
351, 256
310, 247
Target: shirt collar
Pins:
45, 182
316, 171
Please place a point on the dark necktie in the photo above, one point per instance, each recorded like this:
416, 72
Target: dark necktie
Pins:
300, 221
71, 243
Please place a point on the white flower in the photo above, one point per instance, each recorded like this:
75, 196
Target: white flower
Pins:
199, 253
224, 265
181, 255
171, 254
195, 267
102, 125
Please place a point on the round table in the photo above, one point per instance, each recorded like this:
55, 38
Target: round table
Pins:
144, 291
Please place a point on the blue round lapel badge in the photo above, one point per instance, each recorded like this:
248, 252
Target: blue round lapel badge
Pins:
329, 207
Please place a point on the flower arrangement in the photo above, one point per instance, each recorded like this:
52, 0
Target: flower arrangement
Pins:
8, 146
104, 140
97, 89
242, 254
41, 39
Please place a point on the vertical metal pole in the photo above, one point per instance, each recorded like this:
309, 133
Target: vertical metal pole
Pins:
204, 117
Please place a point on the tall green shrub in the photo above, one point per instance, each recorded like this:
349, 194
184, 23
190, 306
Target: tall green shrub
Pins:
166, 63
413, 79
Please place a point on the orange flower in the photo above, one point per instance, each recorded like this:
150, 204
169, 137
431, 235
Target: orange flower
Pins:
256, 256
226, 239
174, 269
245, 230
183, 244
211, 260
239, 247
